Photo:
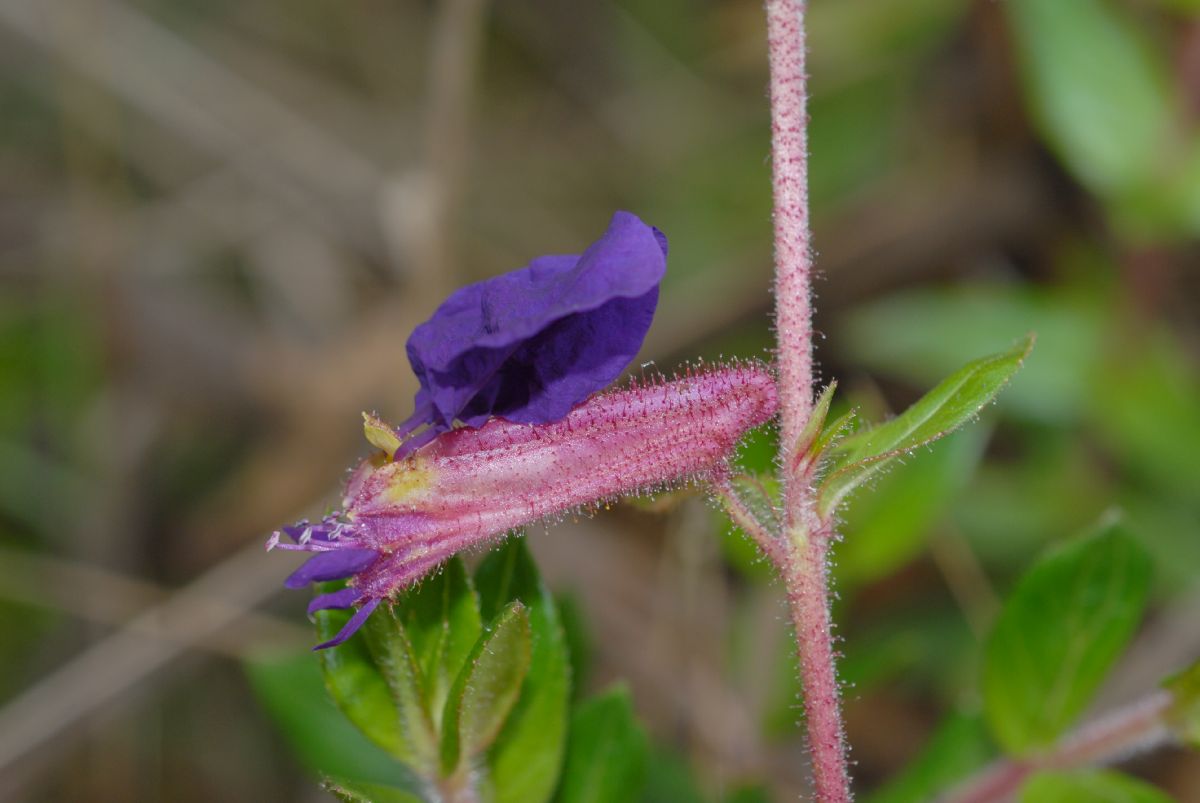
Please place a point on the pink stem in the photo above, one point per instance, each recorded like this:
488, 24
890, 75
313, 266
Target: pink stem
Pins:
741, 515
793, 254
806, 577
1128, 730
807, 538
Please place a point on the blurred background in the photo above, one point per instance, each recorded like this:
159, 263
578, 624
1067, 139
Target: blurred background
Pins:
219, 221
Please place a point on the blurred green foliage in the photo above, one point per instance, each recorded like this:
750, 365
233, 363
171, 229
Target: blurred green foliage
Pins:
1060, 631
1088, 786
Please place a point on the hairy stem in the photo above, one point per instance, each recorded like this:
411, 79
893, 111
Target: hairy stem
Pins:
806, 577
457, 788
793, 252
807, 538
741, 515
1128, 730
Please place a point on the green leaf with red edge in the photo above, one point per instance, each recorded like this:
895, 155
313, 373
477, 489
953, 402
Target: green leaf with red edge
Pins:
396, 661
441, 619
357, 687
954, 402
525, 762
487, 688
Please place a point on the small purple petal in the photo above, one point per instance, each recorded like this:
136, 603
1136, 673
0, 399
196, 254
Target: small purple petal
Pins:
530, 344
356, 621
338, 599
332, 565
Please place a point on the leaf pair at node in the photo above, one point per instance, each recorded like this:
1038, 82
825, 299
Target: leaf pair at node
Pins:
461, 702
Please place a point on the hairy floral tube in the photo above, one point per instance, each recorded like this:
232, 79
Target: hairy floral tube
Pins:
401, 518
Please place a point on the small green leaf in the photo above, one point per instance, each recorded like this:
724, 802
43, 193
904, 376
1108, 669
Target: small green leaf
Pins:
487, 687
1184, 714
959, 746
1089, 786
359, 792
941, 411
920, 337
889, 526
815, 425
526, 759
442, 621
395, 660
291, 689
356, 685
834, 432
1058, 634
607, 753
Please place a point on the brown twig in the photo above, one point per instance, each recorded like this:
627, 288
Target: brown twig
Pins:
110, 598
113, 666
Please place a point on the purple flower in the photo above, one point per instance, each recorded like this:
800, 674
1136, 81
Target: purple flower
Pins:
518, 360
529, 345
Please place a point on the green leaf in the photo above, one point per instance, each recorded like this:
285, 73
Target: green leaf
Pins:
526, 759
442, 621
1099, 92
1089, 786
888, 527
578, 638
669, 779
359, 792
291, 689
922, 336
959, 746
1146, 408
814, 427
395, 660
487, 687
944, 409
607, 753
1184, 714
1058, 634
356, 685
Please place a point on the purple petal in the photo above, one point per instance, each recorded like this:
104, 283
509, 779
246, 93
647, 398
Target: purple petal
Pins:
316, 532
567, 362
530, 344
338, 599
351, 627
332, 565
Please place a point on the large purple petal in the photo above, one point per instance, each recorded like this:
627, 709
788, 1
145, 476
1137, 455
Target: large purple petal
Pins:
351, 627
531, 344
332, 565
337, 599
